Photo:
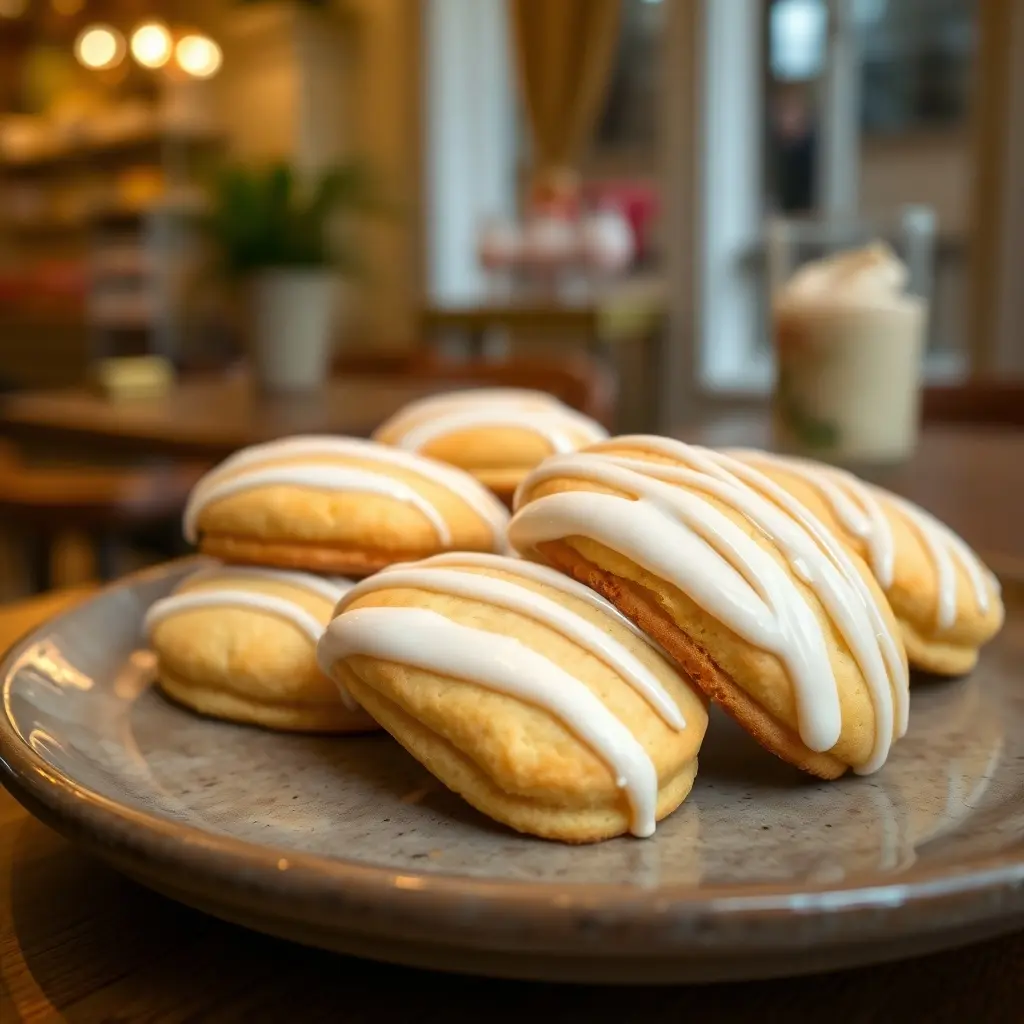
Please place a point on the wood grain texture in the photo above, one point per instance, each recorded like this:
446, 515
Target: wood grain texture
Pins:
80, 943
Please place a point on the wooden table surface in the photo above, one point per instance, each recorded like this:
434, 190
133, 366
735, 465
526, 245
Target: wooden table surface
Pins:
203, 418
80, 943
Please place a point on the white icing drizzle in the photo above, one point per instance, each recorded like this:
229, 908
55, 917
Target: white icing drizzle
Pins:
427, 640
249, 469
185, 599
868, 522
725, 467
330, 588
502, 593
324, 478
944, 546
235, 598
541, 574
470, 396
680, 536
562, 428
852, 503
229, 595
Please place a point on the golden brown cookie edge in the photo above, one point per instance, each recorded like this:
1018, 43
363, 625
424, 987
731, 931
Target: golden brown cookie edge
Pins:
637, 604
458, 773
279, 717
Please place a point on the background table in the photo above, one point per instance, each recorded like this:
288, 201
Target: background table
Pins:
623, 324
206, 418
80, 943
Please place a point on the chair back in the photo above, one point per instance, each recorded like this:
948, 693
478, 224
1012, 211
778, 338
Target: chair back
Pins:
981, 402
577, 379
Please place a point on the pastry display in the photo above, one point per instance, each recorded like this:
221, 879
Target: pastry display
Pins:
945, 599
240, 644
496, 434
339, 505
523, 691
757, 601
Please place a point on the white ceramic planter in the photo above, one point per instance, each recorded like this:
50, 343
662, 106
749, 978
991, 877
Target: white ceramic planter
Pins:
292, 322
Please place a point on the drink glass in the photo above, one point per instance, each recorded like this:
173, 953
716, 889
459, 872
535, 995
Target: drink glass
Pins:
849, 339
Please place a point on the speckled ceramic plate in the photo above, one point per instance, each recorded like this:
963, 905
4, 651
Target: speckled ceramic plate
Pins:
349, 844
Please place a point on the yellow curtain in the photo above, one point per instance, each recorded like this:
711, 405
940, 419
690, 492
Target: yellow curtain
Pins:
564, 51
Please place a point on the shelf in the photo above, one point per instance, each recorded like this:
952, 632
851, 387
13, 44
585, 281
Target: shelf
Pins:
102, 218
112, 149
43, 229
15, 316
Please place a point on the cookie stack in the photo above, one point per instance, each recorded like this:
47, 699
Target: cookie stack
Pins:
563, 689
789, 594
290, 524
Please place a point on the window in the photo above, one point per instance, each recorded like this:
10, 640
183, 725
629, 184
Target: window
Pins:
917, 59
628, 124
902, 70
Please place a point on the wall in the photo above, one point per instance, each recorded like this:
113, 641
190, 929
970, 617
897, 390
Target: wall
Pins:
935, 170
386, 75
256, 88
318, 90
469, 128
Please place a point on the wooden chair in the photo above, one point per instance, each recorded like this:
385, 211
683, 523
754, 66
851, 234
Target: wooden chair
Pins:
107, 504
998, 403
579, 380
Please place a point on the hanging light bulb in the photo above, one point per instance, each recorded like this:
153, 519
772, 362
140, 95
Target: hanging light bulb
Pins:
66, 8
99, 47
198, 56
151, 45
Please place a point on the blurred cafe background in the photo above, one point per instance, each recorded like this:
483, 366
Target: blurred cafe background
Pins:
228, 220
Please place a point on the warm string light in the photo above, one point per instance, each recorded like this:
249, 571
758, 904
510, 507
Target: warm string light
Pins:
99, 47
198, 56
151, 45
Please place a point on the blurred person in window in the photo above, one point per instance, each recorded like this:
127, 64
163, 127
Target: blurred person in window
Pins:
793, 146
940, 92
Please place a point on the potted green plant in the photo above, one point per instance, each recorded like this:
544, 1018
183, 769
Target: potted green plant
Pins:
282, 242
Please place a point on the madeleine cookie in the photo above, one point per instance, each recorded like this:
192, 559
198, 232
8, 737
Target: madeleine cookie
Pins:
240, 644
946, 601
496, 434
762, 607
522, 691
334, 504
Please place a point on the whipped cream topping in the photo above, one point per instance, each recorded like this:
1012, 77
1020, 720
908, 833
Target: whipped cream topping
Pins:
871, 276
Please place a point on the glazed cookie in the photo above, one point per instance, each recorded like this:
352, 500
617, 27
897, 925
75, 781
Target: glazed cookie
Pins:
334, 504
758, 602
240, 644
497, 434
523, 691
946, 601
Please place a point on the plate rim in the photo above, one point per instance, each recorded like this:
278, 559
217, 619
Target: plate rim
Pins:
957, 892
